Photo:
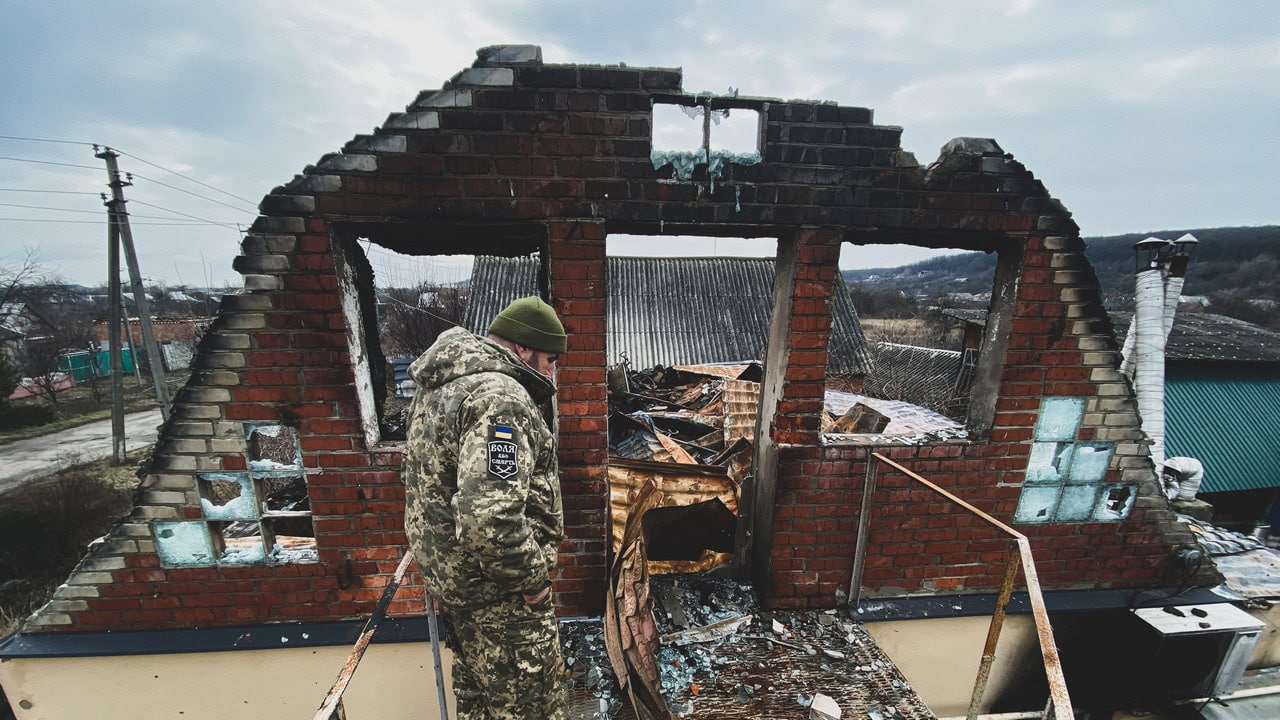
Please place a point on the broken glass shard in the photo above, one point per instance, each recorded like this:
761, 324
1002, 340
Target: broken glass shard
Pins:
183, 543
1089, 462
1115, 502
1036, 504
272, 447
1047, 462
227, 496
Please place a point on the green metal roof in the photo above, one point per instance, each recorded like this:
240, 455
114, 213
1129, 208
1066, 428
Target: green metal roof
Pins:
1232, 425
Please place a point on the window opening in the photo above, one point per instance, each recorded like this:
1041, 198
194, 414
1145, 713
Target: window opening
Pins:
686, 333
273, 447
895, 366
1065, 477
248, 518
398, 303
704, 133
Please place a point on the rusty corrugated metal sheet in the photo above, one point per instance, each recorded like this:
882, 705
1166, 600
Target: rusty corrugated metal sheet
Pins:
729, 371
679, 484
741, 405
631, 634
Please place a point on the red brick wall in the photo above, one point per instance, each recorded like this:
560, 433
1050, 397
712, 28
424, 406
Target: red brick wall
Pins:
577, 284
1059, 345
513, 148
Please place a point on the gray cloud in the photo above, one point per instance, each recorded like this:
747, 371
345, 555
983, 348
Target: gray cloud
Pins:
1144, 116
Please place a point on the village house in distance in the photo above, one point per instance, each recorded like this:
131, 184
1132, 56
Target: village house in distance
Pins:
271, 518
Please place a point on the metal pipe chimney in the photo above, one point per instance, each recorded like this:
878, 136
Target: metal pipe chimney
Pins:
1148, 330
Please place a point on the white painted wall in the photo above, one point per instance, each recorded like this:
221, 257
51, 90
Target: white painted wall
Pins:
940, 657
393, 682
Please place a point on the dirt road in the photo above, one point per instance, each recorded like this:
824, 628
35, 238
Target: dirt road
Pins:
26, 460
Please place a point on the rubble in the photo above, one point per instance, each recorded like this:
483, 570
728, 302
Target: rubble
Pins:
593, 689
772, 664
824, 708
681, 644
854, 418
686, 645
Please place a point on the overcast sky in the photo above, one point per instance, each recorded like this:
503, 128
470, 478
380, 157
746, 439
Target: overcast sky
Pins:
1139, 116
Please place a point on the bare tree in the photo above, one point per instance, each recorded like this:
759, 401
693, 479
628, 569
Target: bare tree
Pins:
17, 274
20, 273
413, 317
9, 377
48, 319
39, 355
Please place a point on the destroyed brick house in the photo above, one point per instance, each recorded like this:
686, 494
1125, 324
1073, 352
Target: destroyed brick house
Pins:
270, 517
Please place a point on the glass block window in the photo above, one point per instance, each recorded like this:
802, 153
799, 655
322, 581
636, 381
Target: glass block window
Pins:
1059, 418
262, 516
1064, 478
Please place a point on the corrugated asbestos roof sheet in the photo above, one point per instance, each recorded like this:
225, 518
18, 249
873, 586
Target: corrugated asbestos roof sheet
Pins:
924, 376
1232, 425
1205, 336
977, 317
667, 311
1195, 336
495, 282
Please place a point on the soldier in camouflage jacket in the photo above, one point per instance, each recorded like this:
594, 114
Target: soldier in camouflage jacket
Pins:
483, 513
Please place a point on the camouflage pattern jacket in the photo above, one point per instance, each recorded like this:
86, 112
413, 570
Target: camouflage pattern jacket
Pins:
482, 488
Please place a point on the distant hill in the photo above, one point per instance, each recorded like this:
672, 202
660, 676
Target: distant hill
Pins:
1230, 265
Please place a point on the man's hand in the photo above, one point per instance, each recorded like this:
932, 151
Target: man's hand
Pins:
531, 598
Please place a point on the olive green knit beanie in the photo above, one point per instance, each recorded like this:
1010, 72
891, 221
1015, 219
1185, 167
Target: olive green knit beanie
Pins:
530, 322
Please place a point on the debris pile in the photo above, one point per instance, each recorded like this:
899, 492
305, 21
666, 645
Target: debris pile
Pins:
720, 655
686, 430
593, 688
683, 414
723, 656
885, 422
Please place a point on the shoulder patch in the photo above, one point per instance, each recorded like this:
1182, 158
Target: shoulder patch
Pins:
502, 457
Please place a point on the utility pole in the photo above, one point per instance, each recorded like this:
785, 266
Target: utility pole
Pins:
135, 278
113, 335
128, 339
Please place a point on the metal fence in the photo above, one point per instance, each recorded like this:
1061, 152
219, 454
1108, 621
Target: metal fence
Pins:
1059, 703
331, 708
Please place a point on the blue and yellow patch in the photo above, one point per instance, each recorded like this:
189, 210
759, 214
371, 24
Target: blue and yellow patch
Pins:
502, 456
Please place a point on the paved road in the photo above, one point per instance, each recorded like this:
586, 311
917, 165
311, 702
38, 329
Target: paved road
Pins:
26, 460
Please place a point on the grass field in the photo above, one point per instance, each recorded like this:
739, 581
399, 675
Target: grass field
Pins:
46, 526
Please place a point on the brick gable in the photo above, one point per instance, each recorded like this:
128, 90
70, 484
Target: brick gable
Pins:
514, 156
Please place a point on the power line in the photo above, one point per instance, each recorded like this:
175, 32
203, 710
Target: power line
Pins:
183, 190
184, 177
44, 140
97, 222
425, 264
56, 192
46, 207
48, 162
193, 217
414, 307
139, 202
135, 157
